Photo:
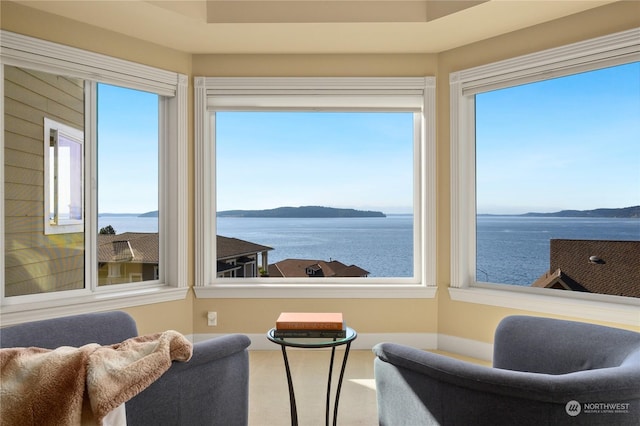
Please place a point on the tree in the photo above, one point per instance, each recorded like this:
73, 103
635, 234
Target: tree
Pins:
108, 230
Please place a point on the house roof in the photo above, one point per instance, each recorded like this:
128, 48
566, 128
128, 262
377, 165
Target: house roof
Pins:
130, 247
228, 248
596, 266
141, 247
558, 280
298, 268
312, 27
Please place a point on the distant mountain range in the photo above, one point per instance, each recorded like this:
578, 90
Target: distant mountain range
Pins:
149, 214
318, 211
301, 212
623, 213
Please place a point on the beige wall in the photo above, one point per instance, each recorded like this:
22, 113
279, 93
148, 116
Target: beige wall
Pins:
406, 65
471, 321
365, 315
159, 317
34, 23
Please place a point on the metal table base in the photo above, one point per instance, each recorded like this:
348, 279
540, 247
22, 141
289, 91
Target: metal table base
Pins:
292, 397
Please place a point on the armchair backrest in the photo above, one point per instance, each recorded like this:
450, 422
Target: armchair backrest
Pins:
552, 346
104, 328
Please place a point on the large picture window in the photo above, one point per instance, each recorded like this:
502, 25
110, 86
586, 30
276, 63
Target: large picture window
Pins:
545, 175
557, 162
101, 201
319, 185
321, 189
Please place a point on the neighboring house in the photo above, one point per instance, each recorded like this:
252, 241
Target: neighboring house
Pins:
54, 260
133, 256
298, 268
239, 258
127, 257
594, 266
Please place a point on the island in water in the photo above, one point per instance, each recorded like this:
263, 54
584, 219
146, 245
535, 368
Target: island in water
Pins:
318, 211
622, 213
301, 212
626, 212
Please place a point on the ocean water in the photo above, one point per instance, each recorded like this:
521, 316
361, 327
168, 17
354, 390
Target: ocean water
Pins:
515, 250
382, 246
511, 249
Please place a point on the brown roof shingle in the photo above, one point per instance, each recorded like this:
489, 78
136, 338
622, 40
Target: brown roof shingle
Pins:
233, 247
144, 247
596, 266
132, 247
298, 268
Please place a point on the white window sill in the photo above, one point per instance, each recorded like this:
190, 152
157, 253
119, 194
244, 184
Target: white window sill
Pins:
315, 291
98, 301
590, 307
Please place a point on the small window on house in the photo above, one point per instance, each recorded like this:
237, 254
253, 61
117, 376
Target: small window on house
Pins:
115, 270
63, 164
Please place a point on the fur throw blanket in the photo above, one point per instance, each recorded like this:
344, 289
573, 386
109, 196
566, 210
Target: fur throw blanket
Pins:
73, 386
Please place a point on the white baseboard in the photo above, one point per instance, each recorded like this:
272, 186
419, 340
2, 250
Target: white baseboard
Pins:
466, 347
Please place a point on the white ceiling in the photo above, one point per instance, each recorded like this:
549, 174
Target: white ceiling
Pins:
311, 26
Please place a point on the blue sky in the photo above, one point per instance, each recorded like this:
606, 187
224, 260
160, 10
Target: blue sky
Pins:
568, 143
127, 150
345, 160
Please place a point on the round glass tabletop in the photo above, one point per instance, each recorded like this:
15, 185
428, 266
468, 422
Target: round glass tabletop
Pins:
313, 342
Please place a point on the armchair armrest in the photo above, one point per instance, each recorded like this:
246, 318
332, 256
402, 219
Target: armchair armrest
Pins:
211, 389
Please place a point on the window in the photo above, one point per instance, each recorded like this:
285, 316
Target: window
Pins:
349, 177
542, 146
128, 184
575, 177
334, 174
93, 161
63, 178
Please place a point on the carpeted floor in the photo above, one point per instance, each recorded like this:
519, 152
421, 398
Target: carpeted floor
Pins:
269, 396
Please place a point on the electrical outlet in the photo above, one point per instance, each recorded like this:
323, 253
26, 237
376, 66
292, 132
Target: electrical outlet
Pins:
212, 319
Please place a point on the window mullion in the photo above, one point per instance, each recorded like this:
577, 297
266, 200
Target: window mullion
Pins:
2, 244
91, 185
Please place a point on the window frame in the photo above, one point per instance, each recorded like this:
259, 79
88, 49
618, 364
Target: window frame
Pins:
602, 52
27, 52
309, 94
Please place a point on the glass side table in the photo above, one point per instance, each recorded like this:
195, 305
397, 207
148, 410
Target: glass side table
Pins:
315, 343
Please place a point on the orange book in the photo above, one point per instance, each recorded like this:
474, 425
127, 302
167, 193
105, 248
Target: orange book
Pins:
310, 321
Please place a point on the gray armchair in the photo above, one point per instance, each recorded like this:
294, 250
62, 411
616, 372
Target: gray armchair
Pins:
211, 389
545, 371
